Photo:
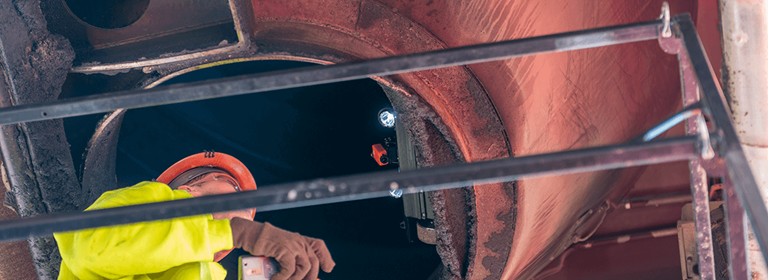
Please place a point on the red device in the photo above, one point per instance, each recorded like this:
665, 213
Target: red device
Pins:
379, 154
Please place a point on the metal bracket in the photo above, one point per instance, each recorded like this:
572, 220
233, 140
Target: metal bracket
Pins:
666, 29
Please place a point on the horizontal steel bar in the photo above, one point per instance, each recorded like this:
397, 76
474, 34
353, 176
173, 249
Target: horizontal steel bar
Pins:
729, 146
365, 186
329, 74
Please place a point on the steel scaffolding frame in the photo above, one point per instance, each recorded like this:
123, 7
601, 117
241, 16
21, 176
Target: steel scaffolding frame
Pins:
714, 151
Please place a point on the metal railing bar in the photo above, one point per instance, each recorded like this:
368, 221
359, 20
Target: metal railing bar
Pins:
316, 75
365, 186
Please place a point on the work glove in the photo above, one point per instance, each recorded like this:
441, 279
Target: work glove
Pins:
300, 257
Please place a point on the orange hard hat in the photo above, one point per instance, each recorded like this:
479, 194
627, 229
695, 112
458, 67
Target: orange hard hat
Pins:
208, 162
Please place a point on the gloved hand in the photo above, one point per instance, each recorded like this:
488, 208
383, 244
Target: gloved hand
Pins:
300, 257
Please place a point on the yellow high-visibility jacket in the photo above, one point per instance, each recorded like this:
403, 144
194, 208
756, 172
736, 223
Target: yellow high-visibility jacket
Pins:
180, 248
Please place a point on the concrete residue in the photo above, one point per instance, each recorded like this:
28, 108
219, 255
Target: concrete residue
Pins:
38, 163
434, 147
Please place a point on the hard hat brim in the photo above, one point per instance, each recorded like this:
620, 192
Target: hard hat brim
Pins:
210, 159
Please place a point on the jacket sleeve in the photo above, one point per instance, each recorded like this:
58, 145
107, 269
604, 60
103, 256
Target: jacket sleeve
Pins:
142, 248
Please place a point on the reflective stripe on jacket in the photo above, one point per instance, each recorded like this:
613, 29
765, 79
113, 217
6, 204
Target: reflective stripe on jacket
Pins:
180, 248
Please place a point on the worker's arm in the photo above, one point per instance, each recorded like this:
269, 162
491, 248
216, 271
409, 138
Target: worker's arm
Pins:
142, 248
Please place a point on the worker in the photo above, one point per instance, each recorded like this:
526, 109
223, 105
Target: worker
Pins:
188, 247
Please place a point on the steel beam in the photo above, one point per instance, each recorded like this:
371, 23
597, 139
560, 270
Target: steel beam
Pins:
365, 186
699, 177
744, 28
729, 145
737, 234
316, 75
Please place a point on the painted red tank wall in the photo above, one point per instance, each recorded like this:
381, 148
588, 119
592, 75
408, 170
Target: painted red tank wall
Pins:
545, 103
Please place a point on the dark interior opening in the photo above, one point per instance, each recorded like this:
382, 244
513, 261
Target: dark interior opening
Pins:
288, 135
108, 14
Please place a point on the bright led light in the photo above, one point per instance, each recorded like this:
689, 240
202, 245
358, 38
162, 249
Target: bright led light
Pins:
387, 118
396, 193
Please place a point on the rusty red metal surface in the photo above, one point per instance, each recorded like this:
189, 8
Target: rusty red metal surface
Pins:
629, 260
522, 106
15, 260
517, 107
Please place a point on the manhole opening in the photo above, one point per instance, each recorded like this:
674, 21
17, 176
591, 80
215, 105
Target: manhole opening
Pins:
288, 135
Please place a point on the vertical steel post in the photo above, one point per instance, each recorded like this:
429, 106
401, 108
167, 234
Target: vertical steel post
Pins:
699, 190
699, 187
736, 225
729, 147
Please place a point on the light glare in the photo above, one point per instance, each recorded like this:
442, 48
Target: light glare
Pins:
387, 119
